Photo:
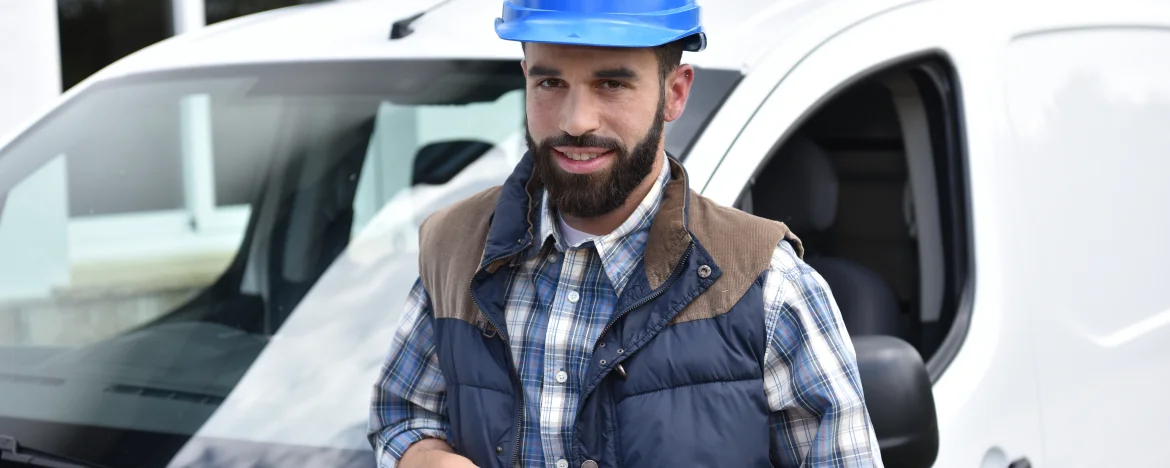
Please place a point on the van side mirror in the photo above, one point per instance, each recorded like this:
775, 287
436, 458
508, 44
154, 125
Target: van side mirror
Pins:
437, 163
900, 400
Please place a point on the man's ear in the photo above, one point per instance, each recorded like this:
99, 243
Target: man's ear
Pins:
524, 67
678, 89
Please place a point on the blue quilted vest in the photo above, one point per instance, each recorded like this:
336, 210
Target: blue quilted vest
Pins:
688, 334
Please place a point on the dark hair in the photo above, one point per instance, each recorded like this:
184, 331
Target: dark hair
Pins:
669, 57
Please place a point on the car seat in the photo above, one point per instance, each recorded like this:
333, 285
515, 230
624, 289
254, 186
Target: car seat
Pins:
800, 188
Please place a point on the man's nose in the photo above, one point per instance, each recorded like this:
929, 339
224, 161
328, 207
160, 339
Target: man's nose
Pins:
579, 116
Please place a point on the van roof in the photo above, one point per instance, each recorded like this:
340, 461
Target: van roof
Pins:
739, 31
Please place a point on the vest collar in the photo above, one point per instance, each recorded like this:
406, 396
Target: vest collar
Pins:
514, 221
669, 232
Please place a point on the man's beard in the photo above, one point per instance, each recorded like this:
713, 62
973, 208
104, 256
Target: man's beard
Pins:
601, 192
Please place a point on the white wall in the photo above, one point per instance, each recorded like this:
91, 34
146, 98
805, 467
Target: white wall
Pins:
33, 245
30, 66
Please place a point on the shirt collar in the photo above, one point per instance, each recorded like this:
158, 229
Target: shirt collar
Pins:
621, 249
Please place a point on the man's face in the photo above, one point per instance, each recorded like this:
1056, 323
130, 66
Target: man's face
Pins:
594, 121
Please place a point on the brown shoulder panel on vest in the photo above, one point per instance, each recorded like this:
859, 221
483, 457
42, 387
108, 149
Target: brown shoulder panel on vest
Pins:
741, 244
451, 243
668, 238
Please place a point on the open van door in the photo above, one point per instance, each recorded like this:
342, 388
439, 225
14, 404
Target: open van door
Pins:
872, 147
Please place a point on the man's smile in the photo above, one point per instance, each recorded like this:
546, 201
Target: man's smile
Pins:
581, 160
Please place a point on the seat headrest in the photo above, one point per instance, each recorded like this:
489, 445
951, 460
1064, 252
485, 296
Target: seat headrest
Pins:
802, 191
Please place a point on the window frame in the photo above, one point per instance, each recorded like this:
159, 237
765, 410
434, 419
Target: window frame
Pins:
817, 80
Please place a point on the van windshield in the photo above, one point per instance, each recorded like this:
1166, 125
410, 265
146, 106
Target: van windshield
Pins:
205, 267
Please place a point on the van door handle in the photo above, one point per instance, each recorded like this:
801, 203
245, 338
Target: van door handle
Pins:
1021, 463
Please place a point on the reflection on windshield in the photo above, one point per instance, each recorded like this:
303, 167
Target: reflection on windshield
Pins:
205, 268
197, 213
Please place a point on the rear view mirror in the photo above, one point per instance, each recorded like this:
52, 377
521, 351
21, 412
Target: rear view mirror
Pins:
900, 400
437, 163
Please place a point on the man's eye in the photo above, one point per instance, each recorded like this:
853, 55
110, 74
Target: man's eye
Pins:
549, 83
613, 85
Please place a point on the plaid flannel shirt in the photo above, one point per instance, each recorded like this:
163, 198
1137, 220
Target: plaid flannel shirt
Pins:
560, 299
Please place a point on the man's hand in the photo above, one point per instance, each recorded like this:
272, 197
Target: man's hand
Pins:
433, 453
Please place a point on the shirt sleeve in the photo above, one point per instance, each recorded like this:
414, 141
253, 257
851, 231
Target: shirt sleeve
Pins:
819, 418
409, 397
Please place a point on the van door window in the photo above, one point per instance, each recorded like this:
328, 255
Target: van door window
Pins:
870, 183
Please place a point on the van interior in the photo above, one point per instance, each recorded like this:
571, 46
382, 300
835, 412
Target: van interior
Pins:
871, 182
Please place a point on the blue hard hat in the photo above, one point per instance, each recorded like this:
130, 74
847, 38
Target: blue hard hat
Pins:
603, 23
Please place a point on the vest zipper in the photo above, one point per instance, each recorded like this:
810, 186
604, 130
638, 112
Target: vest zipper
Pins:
516, 372
511, 359
674, 275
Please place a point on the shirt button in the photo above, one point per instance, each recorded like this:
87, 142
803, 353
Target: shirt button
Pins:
552, 258
589, 464
562, 377
574, 297
562, 463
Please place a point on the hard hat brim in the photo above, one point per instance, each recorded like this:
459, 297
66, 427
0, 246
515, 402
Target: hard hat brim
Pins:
596, 30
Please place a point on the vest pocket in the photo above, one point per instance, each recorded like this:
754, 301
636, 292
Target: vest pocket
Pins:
720, 423
481, 404
596, 434
482, 421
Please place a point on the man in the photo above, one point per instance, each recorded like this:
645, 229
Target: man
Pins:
593, 311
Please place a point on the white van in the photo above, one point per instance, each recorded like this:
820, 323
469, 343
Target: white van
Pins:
205, 248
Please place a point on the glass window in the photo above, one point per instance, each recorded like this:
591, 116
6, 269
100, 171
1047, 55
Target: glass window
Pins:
871, 182
96, 33
222, 10
150, 168
189, 256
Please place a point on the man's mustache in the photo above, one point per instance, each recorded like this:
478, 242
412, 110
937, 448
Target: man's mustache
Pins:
587, 140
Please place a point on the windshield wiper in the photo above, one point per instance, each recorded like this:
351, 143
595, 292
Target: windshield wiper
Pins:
12, 452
